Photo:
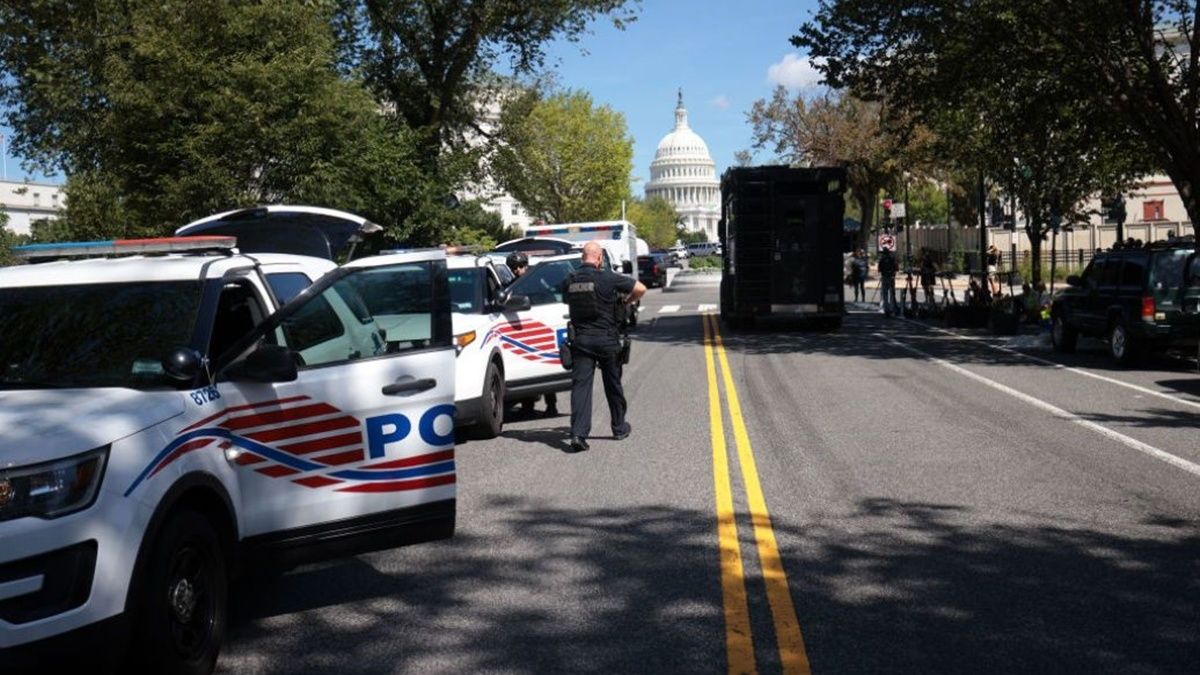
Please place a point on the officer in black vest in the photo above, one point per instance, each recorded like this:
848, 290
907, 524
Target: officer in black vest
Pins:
597, 299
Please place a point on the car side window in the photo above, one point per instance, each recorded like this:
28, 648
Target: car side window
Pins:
1111, 274
287, 285
238, 312
1133, 274
408, 304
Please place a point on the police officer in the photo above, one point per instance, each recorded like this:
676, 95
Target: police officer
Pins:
517, 262
597, 300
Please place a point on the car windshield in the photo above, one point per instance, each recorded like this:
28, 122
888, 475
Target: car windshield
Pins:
466, 290
543, 283
94, 335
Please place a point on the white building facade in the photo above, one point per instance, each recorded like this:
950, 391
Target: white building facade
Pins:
26, 203
684, 174
492, 196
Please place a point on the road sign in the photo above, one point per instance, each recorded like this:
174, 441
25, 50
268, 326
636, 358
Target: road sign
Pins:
887, 241
898, 209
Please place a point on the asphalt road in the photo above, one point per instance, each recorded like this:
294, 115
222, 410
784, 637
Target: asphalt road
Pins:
937, 503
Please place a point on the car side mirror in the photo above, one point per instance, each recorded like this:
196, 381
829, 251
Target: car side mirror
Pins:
1074, 280
267, 363
183, 364
516, 303
627, 267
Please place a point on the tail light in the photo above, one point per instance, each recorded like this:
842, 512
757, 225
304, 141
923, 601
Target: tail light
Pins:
1148, 308
656, 270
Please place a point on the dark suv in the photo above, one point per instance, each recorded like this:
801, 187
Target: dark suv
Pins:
652, 270
1140, 300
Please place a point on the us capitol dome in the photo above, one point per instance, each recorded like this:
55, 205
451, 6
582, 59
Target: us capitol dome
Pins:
683, 173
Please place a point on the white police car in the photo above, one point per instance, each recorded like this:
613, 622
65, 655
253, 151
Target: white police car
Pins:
507, 348
169, 420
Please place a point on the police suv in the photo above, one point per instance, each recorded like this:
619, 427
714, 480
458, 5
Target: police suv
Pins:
507, 349
171, 418
507, 352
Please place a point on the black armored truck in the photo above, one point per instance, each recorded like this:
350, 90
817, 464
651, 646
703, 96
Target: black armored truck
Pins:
782, 234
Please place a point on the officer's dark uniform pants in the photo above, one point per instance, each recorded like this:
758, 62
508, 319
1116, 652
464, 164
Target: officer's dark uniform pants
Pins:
590, 354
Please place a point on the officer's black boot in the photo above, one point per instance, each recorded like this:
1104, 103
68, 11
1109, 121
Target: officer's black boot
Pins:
578, 445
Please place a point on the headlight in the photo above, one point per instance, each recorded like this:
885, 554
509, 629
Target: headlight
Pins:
52, 489
462, 340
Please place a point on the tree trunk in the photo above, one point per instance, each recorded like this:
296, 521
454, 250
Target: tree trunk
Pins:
1034, 232
866, 208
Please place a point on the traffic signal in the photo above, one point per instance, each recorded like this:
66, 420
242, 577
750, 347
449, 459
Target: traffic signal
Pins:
996, 213
1113, 208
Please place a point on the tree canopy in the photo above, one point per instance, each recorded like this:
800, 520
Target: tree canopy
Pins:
565, 159
1053, 99
656, 220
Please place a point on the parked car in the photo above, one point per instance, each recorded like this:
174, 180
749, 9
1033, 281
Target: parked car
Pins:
703, 248
652, 270
1139, 300
506, 349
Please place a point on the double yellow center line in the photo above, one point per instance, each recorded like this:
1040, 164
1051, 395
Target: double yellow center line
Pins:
739, 642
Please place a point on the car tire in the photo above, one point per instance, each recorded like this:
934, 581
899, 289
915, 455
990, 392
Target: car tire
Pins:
181, 608
491, 405
1123, 348
1062, 336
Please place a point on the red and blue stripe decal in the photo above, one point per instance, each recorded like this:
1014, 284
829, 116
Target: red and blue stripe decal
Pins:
530, 340
309, 442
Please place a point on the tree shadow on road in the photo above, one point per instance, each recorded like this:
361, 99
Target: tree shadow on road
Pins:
887, 586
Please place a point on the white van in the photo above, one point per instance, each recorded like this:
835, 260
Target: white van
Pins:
703, 248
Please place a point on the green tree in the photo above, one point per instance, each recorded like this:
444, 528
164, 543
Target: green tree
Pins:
8, 239
656, 220
1007, 111
162, 112
566, 160
429, 61
471, 224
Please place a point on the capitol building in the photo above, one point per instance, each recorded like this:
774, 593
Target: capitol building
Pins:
683, 173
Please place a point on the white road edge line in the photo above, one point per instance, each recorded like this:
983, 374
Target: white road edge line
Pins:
1150, 450
707, 308
668, 309
1059, 366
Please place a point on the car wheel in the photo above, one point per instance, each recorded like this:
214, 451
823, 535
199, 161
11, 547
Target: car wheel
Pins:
1062, 336
491, 416
181, 611
1122, 347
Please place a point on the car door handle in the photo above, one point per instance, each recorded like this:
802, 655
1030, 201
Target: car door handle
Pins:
408, 385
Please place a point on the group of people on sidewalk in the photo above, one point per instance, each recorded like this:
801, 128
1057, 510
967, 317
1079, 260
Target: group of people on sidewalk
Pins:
1034, 301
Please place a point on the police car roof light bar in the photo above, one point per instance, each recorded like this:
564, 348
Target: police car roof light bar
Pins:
125, 247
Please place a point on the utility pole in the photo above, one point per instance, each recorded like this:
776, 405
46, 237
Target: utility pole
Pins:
984, 286
907, 227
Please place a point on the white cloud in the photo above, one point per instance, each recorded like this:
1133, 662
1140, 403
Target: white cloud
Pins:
794, 72
721, 102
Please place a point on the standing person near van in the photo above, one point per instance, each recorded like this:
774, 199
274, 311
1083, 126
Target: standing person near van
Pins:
858, 275
594, 297
887, 267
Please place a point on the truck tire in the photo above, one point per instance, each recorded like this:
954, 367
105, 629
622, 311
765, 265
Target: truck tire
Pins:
181, 611
1123, 348
1062, 336
491, 405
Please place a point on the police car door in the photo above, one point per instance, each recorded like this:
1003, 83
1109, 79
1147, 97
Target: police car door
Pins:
358, 440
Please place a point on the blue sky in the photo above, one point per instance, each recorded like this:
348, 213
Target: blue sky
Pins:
725, 55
